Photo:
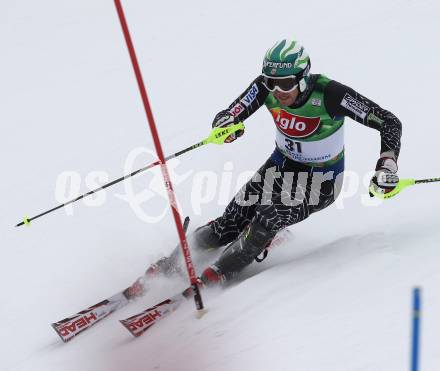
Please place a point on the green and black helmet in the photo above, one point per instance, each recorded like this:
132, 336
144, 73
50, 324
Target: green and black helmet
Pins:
287, 58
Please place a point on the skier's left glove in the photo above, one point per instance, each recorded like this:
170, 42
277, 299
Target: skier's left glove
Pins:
225, 118
385, 179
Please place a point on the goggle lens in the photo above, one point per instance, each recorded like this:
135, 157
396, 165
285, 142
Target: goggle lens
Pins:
285, 84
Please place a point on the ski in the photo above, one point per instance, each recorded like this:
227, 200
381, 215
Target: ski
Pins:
141, 322
72, 326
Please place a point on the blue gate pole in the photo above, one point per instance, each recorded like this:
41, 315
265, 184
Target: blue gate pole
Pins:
416, 317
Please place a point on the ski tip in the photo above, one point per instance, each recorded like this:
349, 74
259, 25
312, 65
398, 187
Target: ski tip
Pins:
132, 328
64, 339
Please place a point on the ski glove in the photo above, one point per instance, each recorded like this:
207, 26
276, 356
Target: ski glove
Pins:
225, 118
385, 179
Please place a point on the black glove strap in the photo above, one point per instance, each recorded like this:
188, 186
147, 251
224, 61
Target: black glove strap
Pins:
381, 163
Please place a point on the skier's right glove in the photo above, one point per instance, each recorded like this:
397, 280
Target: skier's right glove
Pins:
385, 179
225, 118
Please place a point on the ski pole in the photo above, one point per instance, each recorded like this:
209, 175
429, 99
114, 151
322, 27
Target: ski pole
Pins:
403, 183
416, 319
217, 136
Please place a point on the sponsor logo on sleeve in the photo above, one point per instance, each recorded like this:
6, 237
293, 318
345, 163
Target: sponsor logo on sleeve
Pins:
355, 106
250, 96
236, 110
316, 102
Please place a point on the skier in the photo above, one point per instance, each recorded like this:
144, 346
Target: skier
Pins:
308, 111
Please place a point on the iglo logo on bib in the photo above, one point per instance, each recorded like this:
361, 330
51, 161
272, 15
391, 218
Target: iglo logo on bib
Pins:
294, 126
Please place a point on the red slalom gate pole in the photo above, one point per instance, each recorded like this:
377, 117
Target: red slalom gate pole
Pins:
163, 165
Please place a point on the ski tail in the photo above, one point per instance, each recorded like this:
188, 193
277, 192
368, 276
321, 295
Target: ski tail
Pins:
72, 326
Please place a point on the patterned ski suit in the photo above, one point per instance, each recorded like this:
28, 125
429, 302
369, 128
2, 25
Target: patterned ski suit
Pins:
304, 173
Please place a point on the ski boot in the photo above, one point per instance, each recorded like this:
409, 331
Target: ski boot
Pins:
240, 253
203, 240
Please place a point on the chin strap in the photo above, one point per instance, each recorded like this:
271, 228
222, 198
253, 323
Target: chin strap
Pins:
302, 85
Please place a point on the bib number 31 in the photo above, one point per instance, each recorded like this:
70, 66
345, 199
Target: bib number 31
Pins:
293, 146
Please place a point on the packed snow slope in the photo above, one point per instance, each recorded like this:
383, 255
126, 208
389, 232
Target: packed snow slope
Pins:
335, 297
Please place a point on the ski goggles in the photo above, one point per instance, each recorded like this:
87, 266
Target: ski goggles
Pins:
286, 84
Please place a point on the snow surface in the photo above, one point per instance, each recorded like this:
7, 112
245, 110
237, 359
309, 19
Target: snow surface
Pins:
337, 296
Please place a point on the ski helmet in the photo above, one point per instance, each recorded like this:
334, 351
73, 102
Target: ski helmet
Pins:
286, 58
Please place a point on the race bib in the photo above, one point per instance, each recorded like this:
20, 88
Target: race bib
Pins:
318, 151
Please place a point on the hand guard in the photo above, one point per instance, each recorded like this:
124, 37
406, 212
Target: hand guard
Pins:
385, 179
225, 118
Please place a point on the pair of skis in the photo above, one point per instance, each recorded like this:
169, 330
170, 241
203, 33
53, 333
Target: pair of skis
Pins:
139, 323
72, 326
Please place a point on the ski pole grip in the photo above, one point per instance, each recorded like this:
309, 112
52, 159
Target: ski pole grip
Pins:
403, 183
219, 135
